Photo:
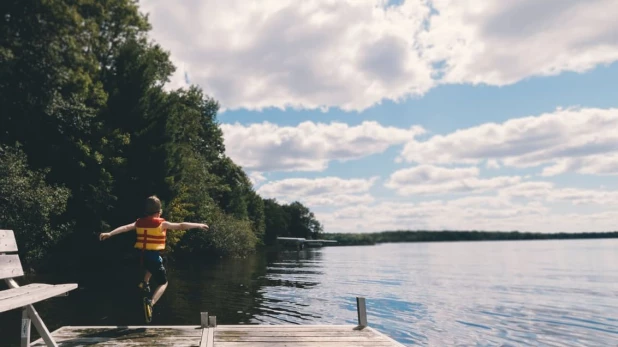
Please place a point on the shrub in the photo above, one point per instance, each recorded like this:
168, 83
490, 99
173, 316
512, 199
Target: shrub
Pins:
28, 205
227, 236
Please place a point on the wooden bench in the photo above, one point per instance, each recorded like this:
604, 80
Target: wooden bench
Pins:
23, 297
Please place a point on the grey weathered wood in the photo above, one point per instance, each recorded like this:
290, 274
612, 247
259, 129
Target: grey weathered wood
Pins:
291, 333
388, 338
305, 344
130, 333
24, 297
123, 336
10, 266
362, 312
25, 328
290, 327
191, 329
18, 297
224, 336
212, 321
7, 241
298, 338
31, 313
40, 327
204, 338
204, 319
211, 337
7, 294
122, 342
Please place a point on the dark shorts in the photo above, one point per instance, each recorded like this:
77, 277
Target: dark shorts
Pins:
154, 264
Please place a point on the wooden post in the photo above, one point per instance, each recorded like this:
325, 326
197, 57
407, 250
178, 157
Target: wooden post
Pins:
204, 319
361, 310
25, 328
40, 326
212, 321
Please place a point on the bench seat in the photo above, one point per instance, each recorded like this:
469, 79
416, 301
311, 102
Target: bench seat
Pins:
32, 293
24, 297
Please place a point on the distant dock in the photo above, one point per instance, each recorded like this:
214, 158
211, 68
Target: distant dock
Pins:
208, 334
301, 242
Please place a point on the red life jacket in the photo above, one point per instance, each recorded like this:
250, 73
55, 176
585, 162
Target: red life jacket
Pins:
150, 234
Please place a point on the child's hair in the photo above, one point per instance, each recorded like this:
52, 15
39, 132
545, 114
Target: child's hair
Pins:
153, 205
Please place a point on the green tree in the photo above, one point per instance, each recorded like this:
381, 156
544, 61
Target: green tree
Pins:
276, 221
302, 222
29, 206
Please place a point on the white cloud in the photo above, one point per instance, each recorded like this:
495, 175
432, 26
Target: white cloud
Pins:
486, 213
578, 139
535, 206
429, 179
606, 164
548, 192
490, 213
295, 54
333, 191
577, 196
501, 42
337, 200
308, 146
256, 178
493, 164
354, 53
529, 190
346, 205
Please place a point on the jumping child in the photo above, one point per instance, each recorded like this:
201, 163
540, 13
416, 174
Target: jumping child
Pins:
151, 231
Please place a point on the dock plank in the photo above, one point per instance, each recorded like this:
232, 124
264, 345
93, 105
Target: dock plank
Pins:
290, 333
304, 344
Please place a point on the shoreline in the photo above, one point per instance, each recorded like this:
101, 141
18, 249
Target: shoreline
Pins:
375, 238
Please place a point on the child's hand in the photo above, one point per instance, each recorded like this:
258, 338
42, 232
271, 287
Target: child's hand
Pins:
203, 226
104, 236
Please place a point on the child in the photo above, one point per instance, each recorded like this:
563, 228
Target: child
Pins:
151, 231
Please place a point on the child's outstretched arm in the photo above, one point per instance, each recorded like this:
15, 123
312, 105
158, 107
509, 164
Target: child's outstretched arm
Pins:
184, 226
118, 230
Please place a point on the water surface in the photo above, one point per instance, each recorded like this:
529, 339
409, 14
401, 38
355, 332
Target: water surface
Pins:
507, 293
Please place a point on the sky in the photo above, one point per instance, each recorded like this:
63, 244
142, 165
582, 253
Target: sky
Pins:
495, 115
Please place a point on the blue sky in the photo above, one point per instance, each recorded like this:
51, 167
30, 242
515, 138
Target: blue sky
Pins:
485, 115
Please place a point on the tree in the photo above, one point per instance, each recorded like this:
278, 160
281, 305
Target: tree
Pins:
29, 206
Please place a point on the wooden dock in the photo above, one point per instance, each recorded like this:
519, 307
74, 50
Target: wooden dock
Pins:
208, 334
222, 336
301, 242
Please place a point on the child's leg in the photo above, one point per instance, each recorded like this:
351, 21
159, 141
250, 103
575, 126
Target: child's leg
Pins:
160, 276
147, 276
158, 292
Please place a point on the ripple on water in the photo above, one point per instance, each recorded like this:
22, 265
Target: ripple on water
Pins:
483, 294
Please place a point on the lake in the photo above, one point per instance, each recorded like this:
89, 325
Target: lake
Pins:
506, 293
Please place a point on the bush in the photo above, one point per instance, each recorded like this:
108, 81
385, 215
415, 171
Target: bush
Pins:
227, 236
28, 206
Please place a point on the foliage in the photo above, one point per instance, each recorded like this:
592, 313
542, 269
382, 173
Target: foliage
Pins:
436, 236
81, 88
289, 220
227, 236
28, 205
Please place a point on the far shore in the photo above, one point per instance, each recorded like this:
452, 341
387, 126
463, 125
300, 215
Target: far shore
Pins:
353, 239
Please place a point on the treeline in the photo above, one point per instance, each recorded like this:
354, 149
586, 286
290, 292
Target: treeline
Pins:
437, 236
88, 132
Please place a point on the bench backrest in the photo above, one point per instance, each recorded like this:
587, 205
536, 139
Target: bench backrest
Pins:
10, 265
